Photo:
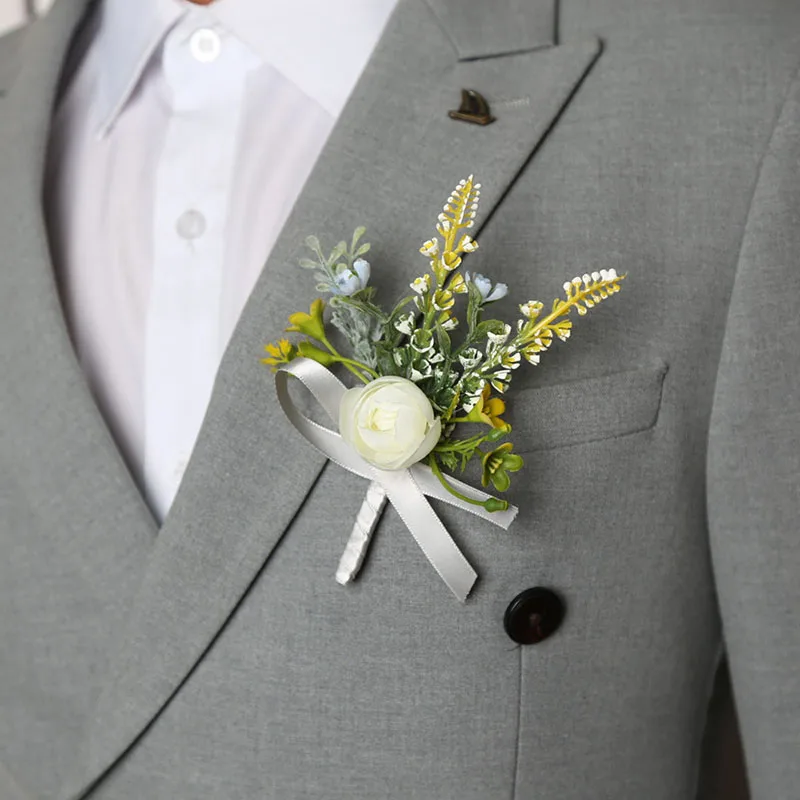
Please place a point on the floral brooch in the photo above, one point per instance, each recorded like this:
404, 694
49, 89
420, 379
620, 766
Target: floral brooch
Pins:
431, 371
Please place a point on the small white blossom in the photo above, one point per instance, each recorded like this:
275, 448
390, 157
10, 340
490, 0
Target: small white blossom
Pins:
430, 248
488, 293
422, 284
532, 308
468, 244
349, 281
405, 324
511, 358
422, 341
450, 323
470, 358
533, 358
498, 386
497, 339
443, 300
471, 400
425, 371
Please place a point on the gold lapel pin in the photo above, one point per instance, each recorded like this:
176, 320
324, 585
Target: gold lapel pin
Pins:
473, 108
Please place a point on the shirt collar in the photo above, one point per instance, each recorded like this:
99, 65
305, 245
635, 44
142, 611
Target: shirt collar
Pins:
319, 45
282, 33
127, 35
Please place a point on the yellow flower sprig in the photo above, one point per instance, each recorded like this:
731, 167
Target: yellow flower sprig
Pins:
282, 352
458, 215
312, 325
535, 335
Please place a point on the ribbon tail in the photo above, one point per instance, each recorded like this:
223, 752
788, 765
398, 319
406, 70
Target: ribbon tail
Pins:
429, 532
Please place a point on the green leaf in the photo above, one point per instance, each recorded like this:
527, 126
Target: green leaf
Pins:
449, 461
357, 234
313, 243
497, 433
443, 339
337, 253
395, 312
390, 334
473, 307
489, 326
361, 250
307, 263
308, 350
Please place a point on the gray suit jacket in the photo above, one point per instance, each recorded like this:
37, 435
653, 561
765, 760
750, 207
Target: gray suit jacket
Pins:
216, 657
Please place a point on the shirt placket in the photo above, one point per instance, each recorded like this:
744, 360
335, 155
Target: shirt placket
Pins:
205, 70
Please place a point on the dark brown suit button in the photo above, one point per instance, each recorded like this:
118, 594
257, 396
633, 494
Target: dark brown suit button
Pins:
533, 615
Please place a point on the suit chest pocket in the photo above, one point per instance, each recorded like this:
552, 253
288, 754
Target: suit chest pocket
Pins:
588, 410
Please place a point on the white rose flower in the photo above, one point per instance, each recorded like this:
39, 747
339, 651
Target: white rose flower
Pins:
389, 422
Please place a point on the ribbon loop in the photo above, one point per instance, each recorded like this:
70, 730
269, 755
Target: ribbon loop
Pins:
406, 489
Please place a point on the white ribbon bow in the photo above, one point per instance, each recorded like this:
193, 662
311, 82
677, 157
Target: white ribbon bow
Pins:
406, 489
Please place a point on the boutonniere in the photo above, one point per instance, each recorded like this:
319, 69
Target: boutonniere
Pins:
432, 373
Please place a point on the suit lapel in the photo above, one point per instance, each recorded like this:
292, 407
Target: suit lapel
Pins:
388, 164
32, 326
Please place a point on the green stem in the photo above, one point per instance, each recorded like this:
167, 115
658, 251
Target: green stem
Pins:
355, 372
357, 365
354, 366
365, 307
462, 445
434, 465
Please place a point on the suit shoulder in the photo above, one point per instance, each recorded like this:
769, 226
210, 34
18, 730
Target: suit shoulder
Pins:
781, 17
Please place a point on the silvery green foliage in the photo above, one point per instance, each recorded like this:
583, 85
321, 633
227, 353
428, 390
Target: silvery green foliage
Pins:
344, 274
359, 328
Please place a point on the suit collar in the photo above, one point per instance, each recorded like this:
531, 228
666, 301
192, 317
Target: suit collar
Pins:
496, 27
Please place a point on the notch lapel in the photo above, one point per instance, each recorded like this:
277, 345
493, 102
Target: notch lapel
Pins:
389, 162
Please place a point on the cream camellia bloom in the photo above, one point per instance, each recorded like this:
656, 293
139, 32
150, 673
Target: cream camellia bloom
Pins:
389, 422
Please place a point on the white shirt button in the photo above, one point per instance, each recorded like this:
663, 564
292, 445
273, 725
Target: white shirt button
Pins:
205, 45
191, 224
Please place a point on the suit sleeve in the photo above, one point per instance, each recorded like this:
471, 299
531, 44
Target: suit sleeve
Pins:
753, 472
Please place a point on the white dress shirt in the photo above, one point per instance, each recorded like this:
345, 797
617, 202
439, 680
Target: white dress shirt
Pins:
177, 151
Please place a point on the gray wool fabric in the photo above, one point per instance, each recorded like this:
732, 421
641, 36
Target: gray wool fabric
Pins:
216, 657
